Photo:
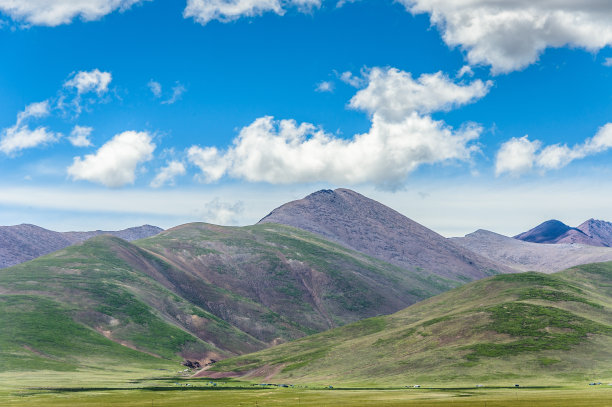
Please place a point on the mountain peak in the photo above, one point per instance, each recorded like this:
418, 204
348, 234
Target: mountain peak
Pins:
363, 224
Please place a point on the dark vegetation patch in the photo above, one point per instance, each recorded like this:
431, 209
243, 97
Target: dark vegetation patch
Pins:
554, 296
539, 328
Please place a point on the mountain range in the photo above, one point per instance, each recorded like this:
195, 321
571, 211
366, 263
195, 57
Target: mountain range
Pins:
592, 232
341, 287
25, 242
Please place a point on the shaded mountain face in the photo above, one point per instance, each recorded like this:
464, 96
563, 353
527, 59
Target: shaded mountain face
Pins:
527, 256
196, 291
527, 328
365, 225
24, 242
592, 232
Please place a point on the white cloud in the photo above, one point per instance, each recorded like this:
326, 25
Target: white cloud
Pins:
325, 86
79, 136
167, 174
401, 138
607, 62
395, 94
222, 213
352, 80
204, 11
114, 164
89, 81
56, 12
177, 92
518, 156
283, 152
510, 35
465, 70
210, 161
15, 139
34, 110
155, 88
20, 136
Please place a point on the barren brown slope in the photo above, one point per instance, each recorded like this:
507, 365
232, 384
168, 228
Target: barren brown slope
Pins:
527, 256
365, 225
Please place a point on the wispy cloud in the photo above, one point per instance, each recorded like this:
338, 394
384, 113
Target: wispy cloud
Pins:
177, 93
20, 136
325, 86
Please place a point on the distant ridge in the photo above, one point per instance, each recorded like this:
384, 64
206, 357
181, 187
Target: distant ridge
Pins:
370, 227
528, 256
25, 242
592, 232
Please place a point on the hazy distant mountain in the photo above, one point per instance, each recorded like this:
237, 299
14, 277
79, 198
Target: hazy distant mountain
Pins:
25, 242
527, 256
592, 232
599, 231
365, 225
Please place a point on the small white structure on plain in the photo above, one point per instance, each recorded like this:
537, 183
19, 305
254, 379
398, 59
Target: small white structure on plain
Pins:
417, 386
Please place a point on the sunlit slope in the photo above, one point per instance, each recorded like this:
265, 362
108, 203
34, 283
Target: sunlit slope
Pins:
100, 304
527, 328
306, 283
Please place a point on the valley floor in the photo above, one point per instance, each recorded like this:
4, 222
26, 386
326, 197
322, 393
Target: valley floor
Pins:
180, 391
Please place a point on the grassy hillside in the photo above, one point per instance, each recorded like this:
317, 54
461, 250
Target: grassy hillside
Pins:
303, 283
194, 292
98, 304
526, 328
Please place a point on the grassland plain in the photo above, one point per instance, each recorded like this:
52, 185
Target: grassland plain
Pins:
531, 328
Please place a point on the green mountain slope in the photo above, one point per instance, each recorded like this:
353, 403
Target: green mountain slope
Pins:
526, 328
193, 292
305, 283
100, 304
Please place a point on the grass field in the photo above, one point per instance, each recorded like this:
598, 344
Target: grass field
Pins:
243, 394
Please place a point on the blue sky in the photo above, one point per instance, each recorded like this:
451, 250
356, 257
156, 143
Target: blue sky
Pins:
120, 112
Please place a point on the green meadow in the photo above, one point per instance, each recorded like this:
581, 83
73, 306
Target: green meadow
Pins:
70, 389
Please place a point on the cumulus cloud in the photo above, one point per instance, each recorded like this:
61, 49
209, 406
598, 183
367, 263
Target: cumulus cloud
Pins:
204, 11
89, 81
401, 138
167, 174
57, 12
20, 136
115, 163
212, 162
325, 86
516, 156
395, 94
83, 88
607, 62
519, 155
79, 136
510, 35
